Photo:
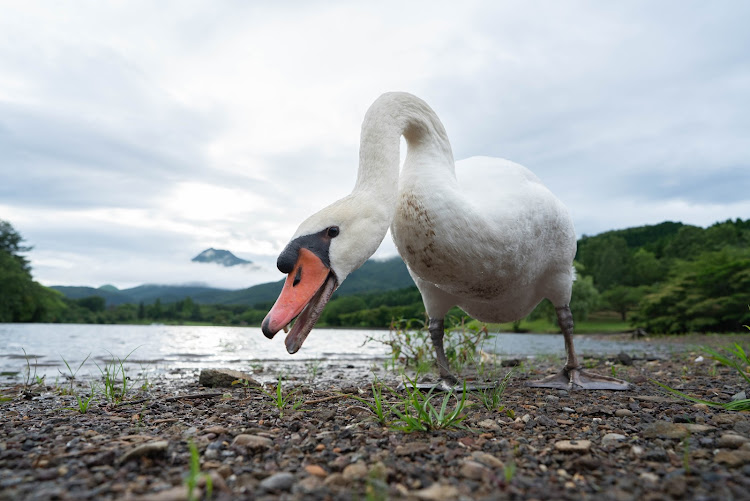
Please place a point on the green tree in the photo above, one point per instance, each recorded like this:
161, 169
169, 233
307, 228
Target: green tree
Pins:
622, 299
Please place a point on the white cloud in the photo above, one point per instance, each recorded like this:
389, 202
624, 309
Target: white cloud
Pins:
135, 135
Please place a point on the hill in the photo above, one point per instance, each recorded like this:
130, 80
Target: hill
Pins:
373, 276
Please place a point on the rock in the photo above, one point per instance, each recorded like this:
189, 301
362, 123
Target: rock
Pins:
612, 438
357, 410
179, 493
223, 378
487, 459
732, 441
218, 430
623, 413
308, 484
411, 448
649, 477
732, 458
473, 470
727, 418
335, 479
149, 449
573, 445
355, 471
437, 492
488, 424
624, 358
314, 469
665, 429
739, 396
252, 442
277, 482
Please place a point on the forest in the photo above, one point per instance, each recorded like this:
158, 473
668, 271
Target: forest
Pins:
667, 278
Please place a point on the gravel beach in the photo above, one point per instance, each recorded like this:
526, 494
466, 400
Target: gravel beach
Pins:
324, 444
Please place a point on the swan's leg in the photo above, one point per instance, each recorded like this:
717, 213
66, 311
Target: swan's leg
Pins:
437, 332
572, 376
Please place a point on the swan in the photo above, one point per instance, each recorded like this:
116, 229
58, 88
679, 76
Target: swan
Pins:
495, 258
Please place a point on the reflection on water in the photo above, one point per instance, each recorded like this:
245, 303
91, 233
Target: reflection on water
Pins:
165, 347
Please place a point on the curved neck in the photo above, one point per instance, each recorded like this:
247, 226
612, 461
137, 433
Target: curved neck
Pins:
391, 116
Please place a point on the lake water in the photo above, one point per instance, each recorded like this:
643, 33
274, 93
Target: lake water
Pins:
164, 348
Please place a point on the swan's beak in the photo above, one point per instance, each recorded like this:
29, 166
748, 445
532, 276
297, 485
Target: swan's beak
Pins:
307, 289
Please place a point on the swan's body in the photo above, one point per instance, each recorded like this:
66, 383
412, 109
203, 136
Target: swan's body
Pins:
496, 257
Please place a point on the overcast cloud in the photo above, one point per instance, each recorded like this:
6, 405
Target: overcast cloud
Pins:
134, 135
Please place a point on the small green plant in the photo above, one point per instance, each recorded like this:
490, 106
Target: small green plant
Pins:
282, 401
686, 454
84, 402
491, 397
734, 357
377, 405
194, 475
116, 380
418, 413
613, 369
31, 378
72, 373
313, 367
509, 471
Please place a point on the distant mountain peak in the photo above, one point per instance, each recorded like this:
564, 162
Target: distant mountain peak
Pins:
109, 288
221, 257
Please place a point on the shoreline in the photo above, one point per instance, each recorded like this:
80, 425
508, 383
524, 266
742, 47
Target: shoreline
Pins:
542, 444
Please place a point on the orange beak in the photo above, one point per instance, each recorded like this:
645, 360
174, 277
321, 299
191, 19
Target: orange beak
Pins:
307, 289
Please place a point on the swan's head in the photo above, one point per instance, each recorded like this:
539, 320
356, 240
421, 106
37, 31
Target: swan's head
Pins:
325, 249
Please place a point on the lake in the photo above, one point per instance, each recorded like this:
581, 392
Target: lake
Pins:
164, 348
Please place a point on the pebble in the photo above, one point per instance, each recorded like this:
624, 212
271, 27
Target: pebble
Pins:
316, 470
277, 482
411, 448
652, 478
666, 429
253, 442
437, 492
623, 413
473, 470
732, 441
489, 424
573, 445
355, 471
149, 449
612, 438
487, 459
732, 458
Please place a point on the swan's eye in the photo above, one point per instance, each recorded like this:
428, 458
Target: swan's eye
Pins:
333, 231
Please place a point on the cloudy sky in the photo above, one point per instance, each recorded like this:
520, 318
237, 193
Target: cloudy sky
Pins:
134, 135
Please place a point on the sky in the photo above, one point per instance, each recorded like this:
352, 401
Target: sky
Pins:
136, 134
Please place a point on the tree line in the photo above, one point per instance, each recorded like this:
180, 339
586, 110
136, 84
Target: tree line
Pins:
666, 278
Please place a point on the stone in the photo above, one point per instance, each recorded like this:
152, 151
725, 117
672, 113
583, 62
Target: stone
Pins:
487, 459
252, 442
411, 448
437, 492
473, 470
316, 470
573, 445
732, 458
612, 438
489, 424
223, 378
277, 482
623, 413
665, 429
355, 471
149, 449
732, 441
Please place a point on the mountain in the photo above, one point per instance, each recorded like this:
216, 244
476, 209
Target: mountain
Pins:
373, 276
219, 256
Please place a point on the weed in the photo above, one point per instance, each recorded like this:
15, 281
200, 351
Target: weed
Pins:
116, 381
420, 414
377, 407
313, 366
614, 371
195, 474
282, 401
491, 397
509, 471
686, 454
735, 358
72, 373
83, 403
31, 379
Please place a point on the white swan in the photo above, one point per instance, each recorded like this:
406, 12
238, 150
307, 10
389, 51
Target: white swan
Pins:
496, 258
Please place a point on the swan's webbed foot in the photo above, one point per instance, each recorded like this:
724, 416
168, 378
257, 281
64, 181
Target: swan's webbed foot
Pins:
450, 383
579, 379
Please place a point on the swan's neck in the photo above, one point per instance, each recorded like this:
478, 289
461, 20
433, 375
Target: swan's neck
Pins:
391, 116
